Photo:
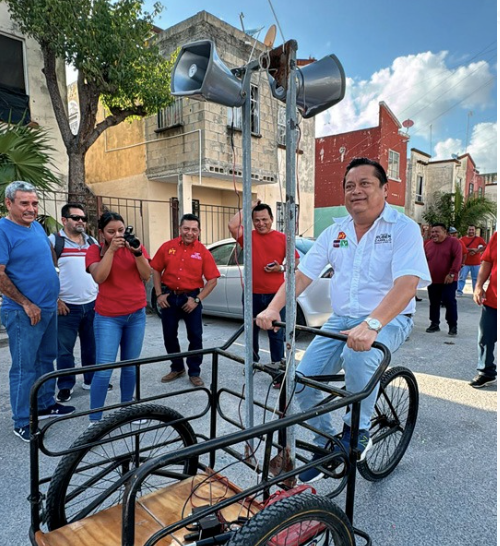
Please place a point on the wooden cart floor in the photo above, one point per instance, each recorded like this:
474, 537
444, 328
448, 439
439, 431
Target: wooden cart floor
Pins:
153, 512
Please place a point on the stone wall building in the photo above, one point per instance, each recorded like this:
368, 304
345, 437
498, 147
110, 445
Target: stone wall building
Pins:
191, 152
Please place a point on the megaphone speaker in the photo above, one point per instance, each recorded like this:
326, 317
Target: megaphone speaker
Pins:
200, 74
320, 85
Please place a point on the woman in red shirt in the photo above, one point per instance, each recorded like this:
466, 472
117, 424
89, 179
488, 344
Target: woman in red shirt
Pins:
120, 314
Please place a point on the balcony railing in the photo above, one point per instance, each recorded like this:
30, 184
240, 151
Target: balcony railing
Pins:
171, 116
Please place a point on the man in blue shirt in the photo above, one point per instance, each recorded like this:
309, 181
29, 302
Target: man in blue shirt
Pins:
30, 287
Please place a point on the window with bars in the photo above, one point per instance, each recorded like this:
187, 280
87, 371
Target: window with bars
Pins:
393, 168
419, 197
171, 116
235, 118
14, 100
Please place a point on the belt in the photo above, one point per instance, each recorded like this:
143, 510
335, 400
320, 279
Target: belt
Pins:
179, 292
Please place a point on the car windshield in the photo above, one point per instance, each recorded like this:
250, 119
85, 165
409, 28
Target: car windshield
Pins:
303, 245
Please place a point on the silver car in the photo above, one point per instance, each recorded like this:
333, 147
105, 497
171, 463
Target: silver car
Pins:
313, 305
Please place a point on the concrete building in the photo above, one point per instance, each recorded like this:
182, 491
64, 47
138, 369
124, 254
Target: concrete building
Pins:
384, 143
189, 156
23, 90
427, 178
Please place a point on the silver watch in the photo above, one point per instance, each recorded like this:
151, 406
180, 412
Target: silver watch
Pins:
373, 324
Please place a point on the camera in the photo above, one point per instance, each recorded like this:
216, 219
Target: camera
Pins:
131, 239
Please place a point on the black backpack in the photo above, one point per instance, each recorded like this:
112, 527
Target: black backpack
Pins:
59, 243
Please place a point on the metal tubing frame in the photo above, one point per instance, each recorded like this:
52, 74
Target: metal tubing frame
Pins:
354, 400
286, 400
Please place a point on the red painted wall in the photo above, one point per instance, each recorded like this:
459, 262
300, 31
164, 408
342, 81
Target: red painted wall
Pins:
374, 143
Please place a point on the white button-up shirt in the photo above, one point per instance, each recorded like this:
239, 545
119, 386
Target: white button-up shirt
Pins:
365, 270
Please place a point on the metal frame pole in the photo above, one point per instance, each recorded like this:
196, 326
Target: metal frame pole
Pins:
290, 223
247, 249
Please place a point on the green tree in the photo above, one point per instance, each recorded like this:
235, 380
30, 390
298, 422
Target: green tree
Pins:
25, 155
453, 209
112, 45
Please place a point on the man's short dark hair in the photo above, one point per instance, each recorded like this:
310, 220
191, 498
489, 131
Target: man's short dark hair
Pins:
440, 224
65, 211
263, 206
190, 218
379, 170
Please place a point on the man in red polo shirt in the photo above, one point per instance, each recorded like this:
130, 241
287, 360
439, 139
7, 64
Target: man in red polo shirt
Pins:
487, 339
268, 255
474, 246
444, 257
179, 269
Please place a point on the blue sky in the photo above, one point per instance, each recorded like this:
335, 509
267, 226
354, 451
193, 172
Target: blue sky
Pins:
431, 61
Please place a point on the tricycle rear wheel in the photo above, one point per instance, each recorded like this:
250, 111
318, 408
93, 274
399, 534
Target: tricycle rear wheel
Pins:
94, 477
301, 520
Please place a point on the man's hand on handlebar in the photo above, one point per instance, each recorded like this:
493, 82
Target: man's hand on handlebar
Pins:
265, 319
360, 338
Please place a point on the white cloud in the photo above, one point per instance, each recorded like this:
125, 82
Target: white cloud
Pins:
420, 87
446, 148
483, 147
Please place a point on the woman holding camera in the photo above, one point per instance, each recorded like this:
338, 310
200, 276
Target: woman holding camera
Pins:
119, 266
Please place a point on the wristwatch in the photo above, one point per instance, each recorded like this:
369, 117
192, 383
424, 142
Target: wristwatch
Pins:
452, 275
373, 324
197, 300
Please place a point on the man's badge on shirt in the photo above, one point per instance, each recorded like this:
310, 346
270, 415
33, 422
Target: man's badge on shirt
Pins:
196, 255
171, 250
383, 239
341, 241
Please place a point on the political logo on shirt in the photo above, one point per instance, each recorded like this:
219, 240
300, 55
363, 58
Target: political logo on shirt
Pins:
196, 256
341, 240
383, 239
171, 251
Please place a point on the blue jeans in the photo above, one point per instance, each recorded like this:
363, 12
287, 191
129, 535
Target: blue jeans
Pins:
464, 273
33, 350
276, 339
326, 356
170, 317
486, 341
127, 333
78, 322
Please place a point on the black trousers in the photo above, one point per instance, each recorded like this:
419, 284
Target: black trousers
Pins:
445, 293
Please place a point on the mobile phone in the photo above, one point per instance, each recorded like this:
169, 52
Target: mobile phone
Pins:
272, 264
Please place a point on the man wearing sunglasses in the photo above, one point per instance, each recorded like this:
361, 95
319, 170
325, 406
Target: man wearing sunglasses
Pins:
75, 306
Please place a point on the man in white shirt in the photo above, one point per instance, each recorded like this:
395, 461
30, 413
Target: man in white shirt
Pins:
379, 261
75, 306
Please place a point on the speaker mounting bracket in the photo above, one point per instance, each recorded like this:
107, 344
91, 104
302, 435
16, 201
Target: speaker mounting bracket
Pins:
277, 63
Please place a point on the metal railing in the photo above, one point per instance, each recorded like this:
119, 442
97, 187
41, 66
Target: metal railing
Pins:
171, 116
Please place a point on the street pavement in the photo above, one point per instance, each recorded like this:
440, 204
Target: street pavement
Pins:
442, 493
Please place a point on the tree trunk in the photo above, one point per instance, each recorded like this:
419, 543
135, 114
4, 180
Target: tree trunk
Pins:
76, 175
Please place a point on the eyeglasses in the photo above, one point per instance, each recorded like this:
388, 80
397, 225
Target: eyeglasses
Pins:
76, 217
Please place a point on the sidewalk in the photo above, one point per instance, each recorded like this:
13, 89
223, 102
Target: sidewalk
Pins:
442, 488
